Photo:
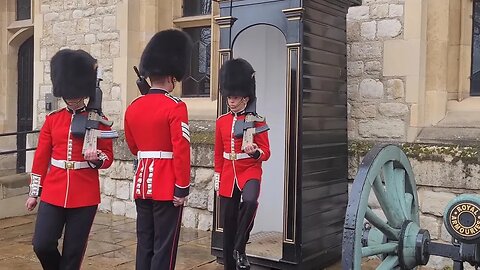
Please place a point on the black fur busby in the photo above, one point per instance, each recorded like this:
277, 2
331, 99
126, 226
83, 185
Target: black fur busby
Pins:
167, 54
73, 74
237, 78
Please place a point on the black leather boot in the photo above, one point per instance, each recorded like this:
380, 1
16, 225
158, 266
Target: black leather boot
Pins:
241, 260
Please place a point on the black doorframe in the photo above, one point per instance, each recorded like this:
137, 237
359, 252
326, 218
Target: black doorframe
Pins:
24, 99
285, 16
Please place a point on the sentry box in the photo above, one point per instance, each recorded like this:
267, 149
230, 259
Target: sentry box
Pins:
298, 50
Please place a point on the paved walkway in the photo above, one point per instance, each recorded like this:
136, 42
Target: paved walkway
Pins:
111, 246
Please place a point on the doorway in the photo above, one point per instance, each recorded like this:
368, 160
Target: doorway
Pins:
24, 100
264, 46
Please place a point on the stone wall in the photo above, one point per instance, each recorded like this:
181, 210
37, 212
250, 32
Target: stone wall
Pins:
117, 181
90, 25
376, 103
442, 172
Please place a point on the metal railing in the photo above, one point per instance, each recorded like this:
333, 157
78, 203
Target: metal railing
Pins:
15, 134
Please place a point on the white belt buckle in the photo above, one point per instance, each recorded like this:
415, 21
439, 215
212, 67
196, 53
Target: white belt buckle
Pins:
232, 156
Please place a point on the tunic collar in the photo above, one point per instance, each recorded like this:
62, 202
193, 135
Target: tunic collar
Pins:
83, 109
238, 113
157, 91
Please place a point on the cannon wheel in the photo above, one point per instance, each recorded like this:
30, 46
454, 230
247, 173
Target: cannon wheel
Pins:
398, 241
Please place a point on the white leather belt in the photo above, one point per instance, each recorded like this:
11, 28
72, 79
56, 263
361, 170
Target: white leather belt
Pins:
154, 154
235, 156
68, 164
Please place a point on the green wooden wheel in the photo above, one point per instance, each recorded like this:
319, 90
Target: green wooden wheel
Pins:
393, 231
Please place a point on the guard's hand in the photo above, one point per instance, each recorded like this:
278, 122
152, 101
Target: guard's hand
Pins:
250, 149
177, 201
31, 203
91, 155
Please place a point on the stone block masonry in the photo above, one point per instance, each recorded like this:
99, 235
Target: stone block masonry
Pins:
377, 106
117, 181
90, 25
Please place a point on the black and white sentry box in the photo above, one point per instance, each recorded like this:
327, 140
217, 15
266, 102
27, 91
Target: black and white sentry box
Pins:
298, 49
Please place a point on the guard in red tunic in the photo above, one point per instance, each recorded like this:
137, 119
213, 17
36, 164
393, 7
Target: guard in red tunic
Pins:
157, 132
65, 180
238, 167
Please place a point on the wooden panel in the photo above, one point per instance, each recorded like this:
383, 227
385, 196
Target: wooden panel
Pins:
324, 130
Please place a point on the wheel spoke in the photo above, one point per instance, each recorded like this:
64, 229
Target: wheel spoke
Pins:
379, 249
400, 190
395, 216
382, 198
390, 262
386, 229
379, 191
408, 203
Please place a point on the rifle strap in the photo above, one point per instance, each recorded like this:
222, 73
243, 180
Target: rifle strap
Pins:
261, 129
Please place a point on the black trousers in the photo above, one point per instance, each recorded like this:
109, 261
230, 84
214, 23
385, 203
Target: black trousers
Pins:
158, 229
51, 220
238, 218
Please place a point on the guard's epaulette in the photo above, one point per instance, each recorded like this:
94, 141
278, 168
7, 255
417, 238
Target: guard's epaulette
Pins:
57, 110
135, 99
174, 98
223, 115
258, 115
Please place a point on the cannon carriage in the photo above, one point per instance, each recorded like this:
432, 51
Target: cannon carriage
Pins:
393, 232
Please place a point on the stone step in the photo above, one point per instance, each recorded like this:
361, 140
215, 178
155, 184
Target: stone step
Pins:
7, 172
449, 135
15, 180
458, 127
13, 193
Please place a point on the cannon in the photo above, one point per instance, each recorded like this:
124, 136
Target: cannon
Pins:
392, 232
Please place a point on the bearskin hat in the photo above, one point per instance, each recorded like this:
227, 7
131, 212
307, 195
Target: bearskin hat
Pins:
237, 78
73, 74
167, 54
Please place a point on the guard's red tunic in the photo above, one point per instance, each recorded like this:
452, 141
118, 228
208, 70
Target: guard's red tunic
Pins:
237, 171
158, 122
67, 188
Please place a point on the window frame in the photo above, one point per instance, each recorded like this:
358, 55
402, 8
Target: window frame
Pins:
185, 22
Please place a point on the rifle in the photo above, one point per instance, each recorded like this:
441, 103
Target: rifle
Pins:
86, 126
246, 128
142, 83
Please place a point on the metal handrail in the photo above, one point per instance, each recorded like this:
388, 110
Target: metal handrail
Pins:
19, 132
17, 151
14, 134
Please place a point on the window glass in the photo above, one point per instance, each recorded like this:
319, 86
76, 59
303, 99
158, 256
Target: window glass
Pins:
197, 80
